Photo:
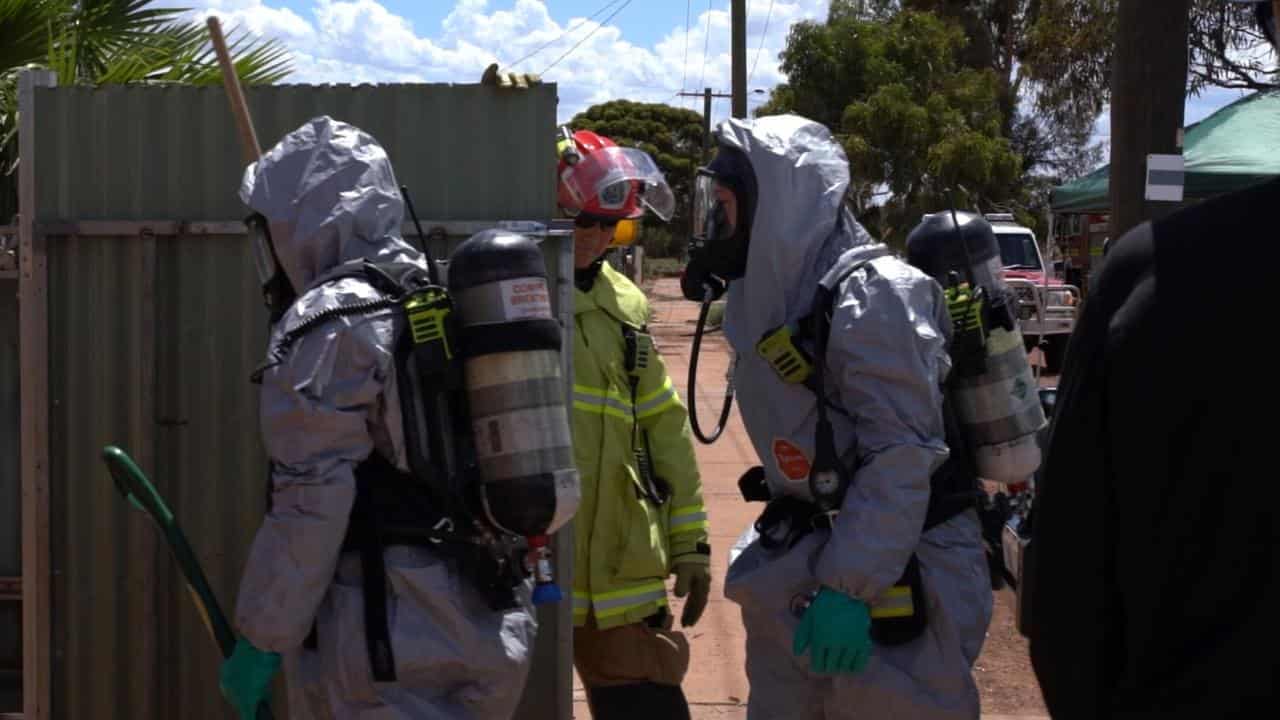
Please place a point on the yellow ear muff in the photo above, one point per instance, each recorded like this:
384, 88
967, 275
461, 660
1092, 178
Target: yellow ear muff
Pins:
625, 234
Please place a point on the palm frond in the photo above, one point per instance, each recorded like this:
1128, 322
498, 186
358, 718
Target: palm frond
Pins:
117, 42
180, 52
102, 29
63, 50
23, 27
8, 122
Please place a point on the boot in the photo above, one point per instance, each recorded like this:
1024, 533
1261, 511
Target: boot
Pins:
641, 701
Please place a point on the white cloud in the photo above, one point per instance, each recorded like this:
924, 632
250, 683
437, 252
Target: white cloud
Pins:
361, 41
254, 16
353, 41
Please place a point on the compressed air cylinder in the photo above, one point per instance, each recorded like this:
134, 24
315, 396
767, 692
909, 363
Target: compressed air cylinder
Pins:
510, 345
991, 388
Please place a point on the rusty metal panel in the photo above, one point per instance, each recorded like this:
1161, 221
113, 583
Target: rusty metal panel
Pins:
10, 501
100, 376
466, 152
211, 330
10, 477
10, 658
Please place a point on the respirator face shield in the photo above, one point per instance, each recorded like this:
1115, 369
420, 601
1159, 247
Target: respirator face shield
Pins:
277, 292
264, 256
710, 219
717, 253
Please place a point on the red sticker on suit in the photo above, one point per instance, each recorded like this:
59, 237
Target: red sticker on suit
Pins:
790, 459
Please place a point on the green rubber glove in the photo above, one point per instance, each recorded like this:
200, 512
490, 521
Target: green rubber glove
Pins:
245, 678
836, 630
692, 579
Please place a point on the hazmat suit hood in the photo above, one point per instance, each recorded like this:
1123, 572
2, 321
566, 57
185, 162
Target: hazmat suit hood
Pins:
330, 197
801, 225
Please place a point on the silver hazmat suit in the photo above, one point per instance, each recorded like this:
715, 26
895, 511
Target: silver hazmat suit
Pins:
330, 197
886, 362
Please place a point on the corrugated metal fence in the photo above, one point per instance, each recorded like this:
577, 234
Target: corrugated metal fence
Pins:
10, 492
154, 322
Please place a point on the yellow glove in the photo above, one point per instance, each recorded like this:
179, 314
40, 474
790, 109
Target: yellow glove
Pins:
693, 579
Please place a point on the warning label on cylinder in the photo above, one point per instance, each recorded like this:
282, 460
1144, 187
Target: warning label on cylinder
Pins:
525, 299
790, 459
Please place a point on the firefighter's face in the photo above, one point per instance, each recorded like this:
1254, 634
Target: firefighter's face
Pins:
730, 202
591, 237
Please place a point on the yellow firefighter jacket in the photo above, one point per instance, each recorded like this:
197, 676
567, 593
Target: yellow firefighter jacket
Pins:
629, 533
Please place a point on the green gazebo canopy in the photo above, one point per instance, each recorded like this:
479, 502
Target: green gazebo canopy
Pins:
1235, 147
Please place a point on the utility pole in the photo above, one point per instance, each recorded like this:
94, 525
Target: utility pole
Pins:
1148, 91
706, 121
706, 96
738, 48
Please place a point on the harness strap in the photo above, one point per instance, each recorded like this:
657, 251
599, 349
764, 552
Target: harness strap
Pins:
390, 510
828, 478
373, 576
953, 486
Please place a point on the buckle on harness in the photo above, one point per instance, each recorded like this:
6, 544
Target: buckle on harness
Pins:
774, 531
824, 520
444, 523
787, 519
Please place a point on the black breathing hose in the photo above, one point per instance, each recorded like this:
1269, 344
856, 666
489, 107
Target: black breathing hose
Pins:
707, 299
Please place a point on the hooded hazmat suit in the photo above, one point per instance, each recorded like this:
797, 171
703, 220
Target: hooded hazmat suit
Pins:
886, 362
329, 195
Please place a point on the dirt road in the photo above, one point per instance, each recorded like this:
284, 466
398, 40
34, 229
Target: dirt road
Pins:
716, 685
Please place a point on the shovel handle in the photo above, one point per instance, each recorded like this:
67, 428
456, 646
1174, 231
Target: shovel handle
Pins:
134, 486
249, 148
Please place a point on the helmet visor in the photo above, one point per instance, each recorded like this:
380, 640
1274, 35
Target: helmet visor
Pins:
606, 179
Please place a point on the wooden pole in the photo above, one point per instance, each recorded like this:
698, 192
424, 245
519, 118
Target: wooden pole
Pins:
1148, 94
1275, 11
249, 148
33, 350
738, 52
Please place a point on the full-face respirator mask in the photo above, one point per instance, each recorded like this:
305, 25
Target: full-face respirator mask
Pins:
278, 293
717, 255
718, 242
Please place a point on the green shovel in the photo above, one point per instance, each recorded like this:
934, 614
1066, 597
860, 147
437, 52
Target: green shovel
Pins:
134, 487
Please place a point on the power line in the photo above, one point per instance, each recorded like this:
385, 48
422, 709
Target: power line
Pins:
763, 35
706, 36
588, 37
568, 30
561, 36
684, 68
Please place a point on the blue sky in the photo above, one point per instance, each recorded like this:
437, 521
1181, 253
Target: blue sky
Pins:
644, 22
641, 53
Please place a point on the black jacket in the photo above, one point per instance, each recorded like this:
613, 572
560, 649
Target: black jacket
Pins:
1155, 531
